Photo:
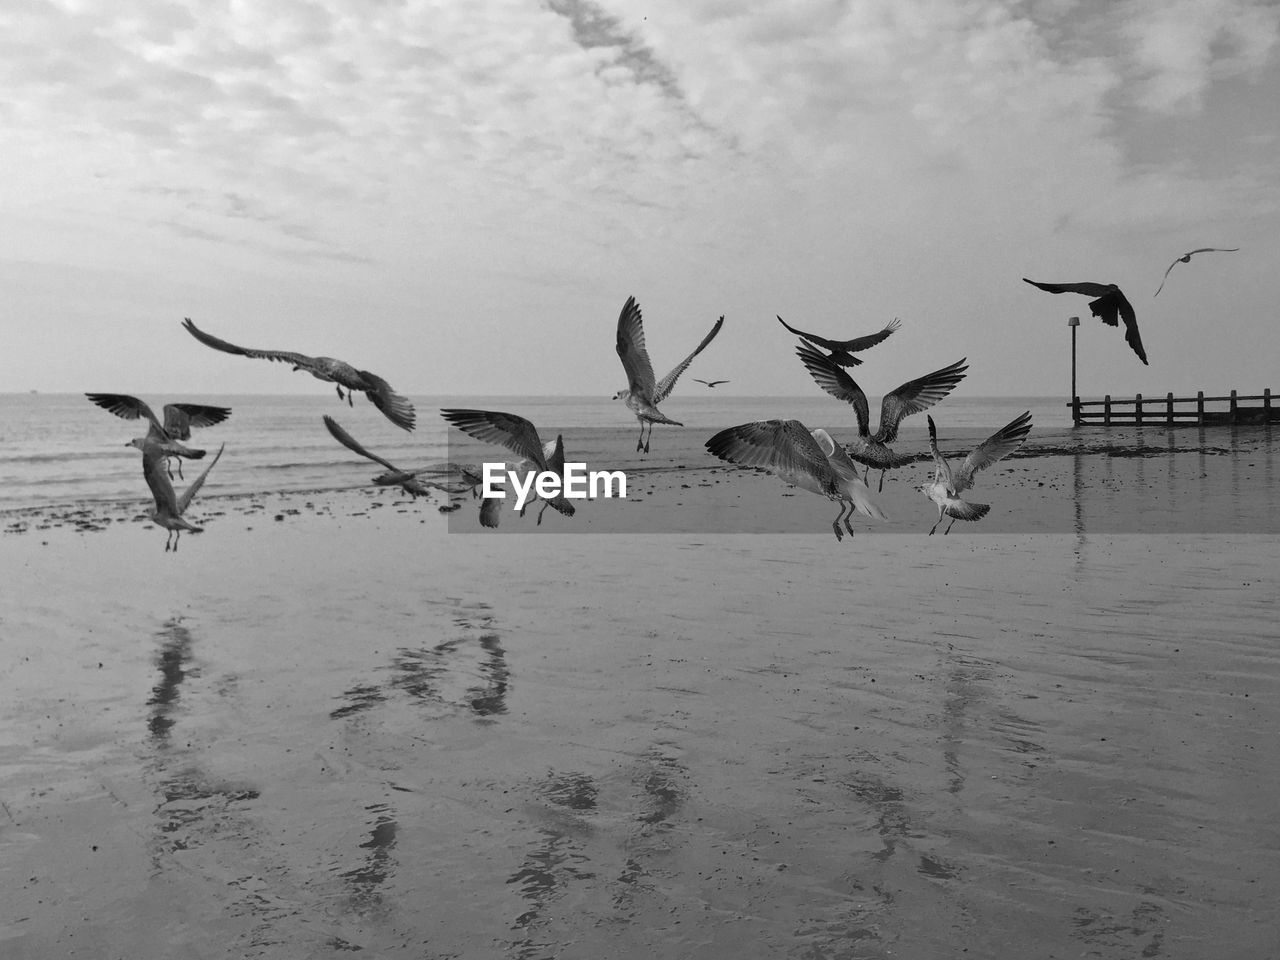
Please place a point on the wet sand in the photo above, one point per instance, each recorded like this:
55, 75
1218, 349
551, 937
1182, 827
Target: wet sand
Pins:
326, 727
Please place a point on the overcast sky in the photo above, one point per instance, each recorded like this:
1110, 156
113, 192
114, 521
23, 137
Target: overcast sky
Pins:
459, 196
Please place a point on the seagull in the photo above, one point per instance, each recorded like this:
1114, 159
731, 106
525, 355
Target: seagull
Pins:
709, 383
169, 506
643, 394
842, 351
1186, 258
1109, 302
520, 437
396, 408
179, 418
947, 483
914, 396
806, 458
406, 479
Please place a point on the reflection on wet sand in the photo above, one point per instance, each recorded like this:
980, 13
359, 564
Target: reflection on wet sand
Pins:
572, 847
465, 672
365, 882
172, 661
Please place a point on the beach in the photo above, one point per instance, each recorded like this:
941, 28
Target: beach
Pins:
328, 725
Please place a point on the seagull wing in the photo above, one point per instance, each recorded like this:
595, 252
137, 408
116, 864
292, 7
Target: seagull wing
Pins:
1130, 319
851, 485
667, 383
783, 447
1166, 275
831, 378
506, 429
396, 408
156, 473
915, 396
354, 445
179, 418
126, 407
490, 511
1186, 258
284, 356
1088, 289
996, 447
812, 338
189, 494
943, 469
631, 350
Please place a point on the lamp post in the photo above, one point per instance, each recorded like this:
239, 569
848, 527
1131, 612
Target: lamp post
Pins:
1074, 322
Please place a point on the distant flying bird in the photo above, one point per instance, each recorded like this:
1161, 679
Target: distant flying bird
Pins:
1186, 258
947, 483
710, 383
842, 351
643, 394
169, 506
1110, 302
520, 437
407, 480
396, 408
808, 459
179, 418
914, 396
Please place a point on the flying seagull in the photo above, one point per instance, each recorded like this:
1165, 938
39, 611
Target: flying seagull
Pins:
643, 394
842, 351
1186, 258
710, 383
169, 506
396, 408
805, 458
947, 483
405, 479
179, 418
1110, 301
914, 396
520, 437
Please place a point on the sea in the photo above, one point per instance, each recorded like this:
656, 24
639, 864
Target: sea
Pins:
62, 450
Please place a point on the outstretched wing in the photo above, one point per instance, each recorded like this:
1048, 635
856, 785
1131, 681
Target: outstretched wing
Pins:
842, 350
631, 350
996, 447
396, 408
189, 494
506, 429
1113, 307
667, 383
179, 418
284, 356
1086, 288
831, 378
125, 406
783, 447
916, 396
942, 472
354, 445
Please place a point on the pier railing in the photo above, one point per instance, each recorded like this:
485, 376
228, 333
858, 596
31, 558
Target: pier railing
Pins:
1171, 410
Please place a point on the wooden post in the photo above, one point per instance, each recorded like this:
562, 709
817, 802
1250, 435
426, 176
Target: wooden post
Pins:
1137, 409
1200, 407
1106, 409
1168, 409
1266, 405
1235, 408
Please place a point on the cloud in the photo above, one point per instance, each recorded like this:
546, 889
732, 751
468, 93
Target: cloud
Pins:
1179, 47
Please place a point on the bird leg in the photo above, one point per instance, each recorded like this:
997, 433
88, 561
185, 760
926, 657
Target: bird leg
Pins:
847, 517
339, 389
936, 522
640, 440
541, 512
881, 488
949, 526
835, 524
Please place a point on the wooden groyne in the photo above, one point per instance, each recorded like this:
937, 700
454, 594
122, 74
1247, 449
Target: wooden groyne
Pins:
1170, 410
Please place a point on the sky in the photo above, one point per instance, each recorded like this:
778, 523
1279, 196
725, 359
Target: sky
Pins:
459, 197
